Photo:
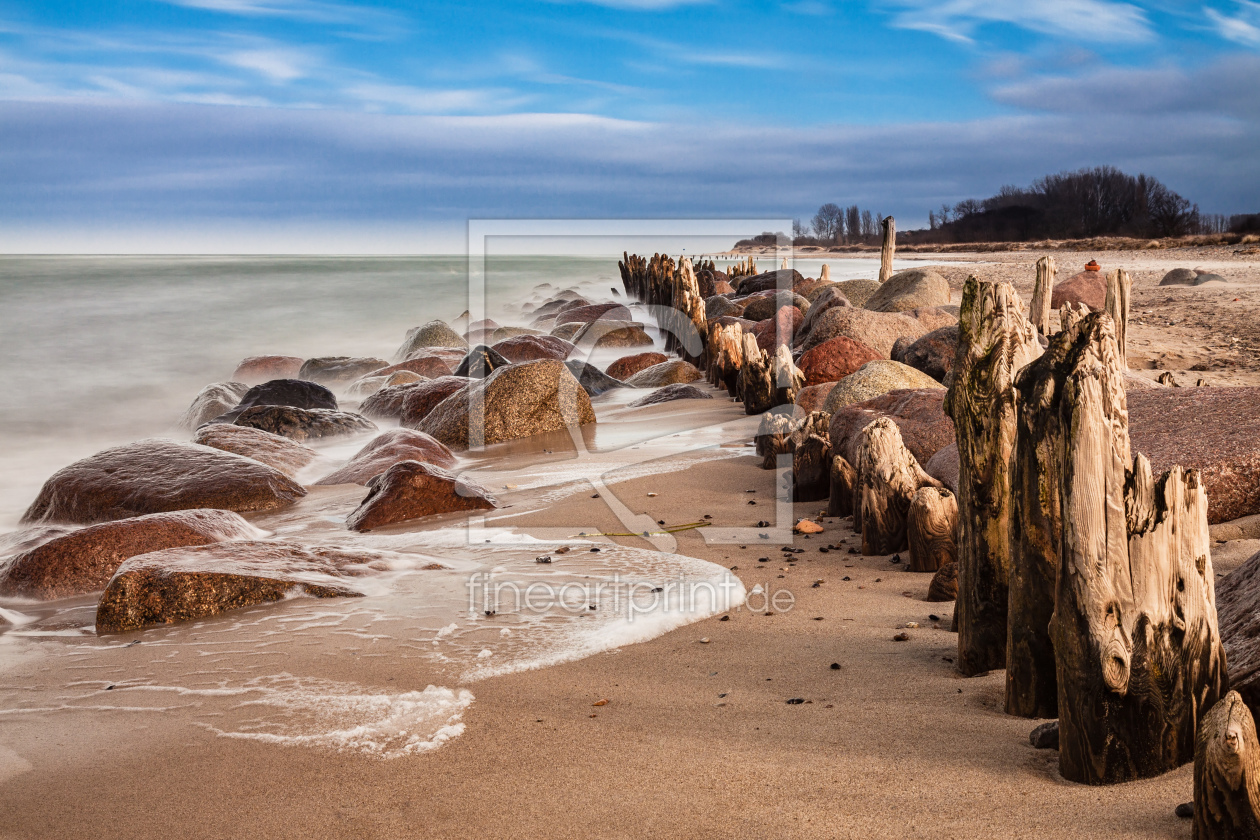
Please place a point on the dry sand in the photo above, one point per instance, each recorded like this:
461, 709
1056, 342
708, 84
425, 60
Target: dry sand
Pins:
697, 739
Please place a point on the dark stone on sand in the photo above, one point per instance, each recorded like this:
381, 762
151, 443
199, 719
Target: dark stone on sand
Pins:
84, 560
480, 362
411, 490
422, 397
919, 414
1185, 810
677, 391
835, 359
287, 456
1045, 737
303, 424
153, 476
669, 372
432, 334
530, 348
211, 401
339, 370
932, 353
1179, 277
1088, 287
592, 379
258, 369
298, 393
387, 449
628, 366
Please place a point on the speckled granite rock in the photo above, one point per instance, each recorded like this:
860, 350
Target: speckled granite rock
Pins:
874, 379
339, 370
258, 369
1214, 430
184, 584
609, 334
1088, 287
418, 400
835, 359
858, 292
211, 401
84, 560
430, 366
628, 366
287, 456
504, 333
432, 334
763, 306
913, 288
826, 298
677, 391
668, 372
153, 476
919, 415
878, 330
411, 490
387, 449
298, 393
302, 424
932, 353
781, 329
529, 348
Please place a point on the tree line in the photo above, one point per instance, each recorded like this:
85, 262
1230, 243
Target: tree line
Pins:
836, 225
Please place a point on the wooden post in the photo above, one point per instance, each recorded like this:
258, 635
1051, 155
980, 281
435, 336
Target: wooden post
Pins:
843, 487
787, 378
890, 247
724, 354
995, 341
825, 276
1137, 650
1227, 773
888, 478
1119, 287
1039, 311
756, 388
811, 469
930, 526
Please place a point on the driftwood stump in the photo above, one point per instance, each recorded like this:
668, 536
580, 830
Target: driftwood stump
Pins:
787, 378
889, 250
1227, 773
995, 341
1137, 651
1039, 310
811, 474
944, 585
888, 478
930, 526
756, 386
1119, 288
774, 438
843, 487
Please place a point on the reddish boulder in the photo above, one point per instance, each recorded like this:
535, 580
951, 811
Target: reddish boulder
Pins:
919, 415
84, 560
771, 332
677, 391
287, 456
339, 370
421, 398
722, 287
153, 476
606, 333
411, 490
877, 330
669, 372
431, 366
388, 449
932, 353
258, 369
779, 278
304, 423
943, 466
1088, 287
594, 312
835, 359
529, 348
387, 403
628, 366
812, 397
212, 401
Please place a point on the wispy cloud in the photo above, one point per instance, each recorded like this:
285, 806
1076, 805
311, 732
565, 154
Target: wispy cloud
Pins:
645, 5
310, 10
278, 65
1243, 27
1089, 20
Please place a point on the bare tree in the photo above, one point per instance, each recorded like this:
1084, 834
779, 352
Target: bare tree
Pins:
868, 224
853, 223
828, 221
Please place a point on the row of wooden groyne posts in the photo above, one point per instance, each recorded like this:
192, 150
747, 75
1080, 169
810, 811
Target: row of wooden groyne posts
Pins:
1085, 576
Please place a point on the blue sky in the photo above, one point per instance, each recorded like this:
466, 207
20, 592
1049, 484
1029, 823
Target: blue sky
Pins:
228, 124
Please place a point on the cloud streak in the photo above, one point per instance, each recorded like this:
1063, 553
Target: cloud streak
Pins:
1085, 20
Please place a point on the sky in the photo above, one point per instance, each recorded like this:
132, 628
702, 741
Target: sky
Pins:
320, 126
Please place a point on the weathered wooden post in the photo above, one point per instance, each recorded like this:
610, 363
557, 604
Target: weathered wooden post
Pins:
1227, 773
1137, 651
888, 478
1119, 287
890, 246
930, 527
825, 275
995, 341
843, 487
1039, 310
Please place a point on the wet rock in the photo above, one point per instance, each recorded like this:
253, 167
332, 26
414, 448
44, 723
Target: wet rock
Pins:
919, 414
518, 401
592, 379
529, 348
429, 366
877, 330
211, 401
1045, 736
479, 362
432, 334
287, 456
387, 449
369, 385
594, 312
718, 305
944, 585
813, 397
875, 379
943, 466
420, 399
913, 288
387, 403
339, 370
932, 353
303, 424
669, 372
628, 366
1088, 287
835, 359
411, 490
258, 369
297, 393
610, 334
185, 584
154, 476
677, 391
567, 332
84, 560
1179, 277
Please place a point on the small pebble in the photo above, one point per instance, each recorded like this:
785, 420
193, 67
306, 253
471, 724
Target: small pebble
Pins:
933, 617
1185, 810
705, 640
901, 637
544, 559
835, 666
725, 618
564, 549
912, 625
796, 701
600, 703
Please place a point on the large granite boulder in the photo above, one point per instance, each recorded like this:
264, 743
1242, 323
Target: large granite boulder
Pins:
429, 366
628, 366
516, 401
1088, 287
914, 288
339, 370
258, 369
153, 476
875, 379
919, 414
594, 312
370, 384
666, 373
811, 398
567, 332
420, 399
877, 330
858, 292
302, 424
432, 334
1238, 616
932, 353
592, 379
677, 391
211, 401
605, 333
297, 393
84, 560
835, 359
530, 348
771, 332
387, 403
411, 490
1179, 277
281, 453
780, 278
185, 584
387, 449
1213, 430
480, 362
828, 298
762, 306
943, 466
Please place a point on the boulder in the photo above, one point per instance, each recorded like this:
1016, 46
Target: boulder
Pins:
211, 401
812, 397
717, 306
829, 298
761, 307
666, 373
628, 366
935, 317
677, 391
1213, 430
516, 401
722, 287
339, 370
592, 379
429, 366
410, 490
943, 466
1238, 616
1205, 277
877, 330
858, 292
944, 585
154, 476
386, 404
280, 453
418, 400
834, 359
594, 312
567, 332
610, 334
432, 334
932, 353
303, 424
185, 584
84, 560
297, 393
387, 449
780, 329
914, 288
919, 415
875, 379
1179, 277
258, 369
529, 348
1088, 287
369, 385
479, 362
777, 279
505, 333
